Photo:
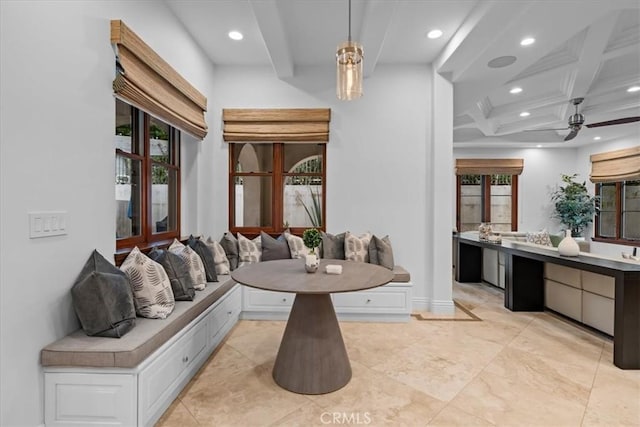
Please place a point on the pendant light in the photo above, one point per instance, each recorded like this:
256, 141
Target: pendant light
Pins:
349, 68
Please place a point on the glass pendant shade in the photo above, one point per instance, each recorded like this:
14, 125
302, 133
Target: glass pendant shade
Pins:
349, 70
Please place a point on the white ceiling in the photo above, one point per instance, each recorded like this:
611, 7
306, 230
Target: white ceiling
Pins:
583, 48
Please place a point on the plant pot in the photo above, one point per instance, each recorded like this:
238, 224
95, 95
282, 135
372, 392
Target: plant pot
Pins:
568, 246
311, 263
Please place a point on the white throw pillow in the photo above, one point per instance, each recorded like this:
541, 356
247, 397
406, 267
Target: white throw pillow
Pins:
296, 245
219, 257
196, 268
250, 251
152, 294
357, 248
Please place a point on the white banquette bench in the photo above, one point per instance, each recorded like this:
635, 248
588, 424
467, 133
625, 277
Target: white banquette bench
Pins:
131, 381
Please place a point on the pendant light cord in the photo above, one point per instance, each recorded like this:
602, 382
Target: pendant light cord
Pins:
349, 20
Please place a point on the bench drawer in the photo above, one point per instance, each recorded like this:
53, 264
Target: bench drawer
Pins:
257, 299
227, 311
392, 300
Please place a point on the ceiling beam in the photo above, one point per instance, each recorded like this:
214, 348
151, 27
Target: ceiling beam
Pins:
272, 28
377, 17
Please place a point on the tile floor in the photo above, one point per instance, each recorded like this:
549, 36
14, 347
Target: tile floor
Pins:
509, 369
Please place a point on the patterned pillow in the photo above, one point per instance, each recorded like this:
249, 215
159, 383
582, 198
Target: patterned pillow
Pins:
206, 256
357, 248
332, 246
273, 248
381, 252
296, 245
230, 245
196, 269
102, 299
539, 238
219, 257
250, 250
151, 287
178, 272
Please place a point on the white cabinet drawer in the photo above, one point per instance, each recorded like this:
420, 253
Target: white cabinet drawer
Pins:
598, 312
388, 300
256, 299
158, 378
564, 299
226, 311
560, 273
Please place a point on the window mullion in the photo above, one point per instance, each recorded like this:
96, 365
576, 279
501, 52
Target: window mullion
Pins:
278, 187
619, 210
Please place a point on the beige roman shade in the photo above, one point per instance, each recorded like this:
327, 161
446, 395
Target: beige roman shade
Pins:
489, 166
615, 166
147, 81
276, 125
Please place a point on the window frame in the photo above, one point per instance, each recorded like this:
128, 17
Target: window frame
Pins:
278, 176
486, 199
142, 138
618, 239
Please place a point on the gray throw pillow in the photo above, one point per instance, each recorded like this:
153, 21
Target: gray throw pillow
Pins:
273, 249
102, 299
381, 252
178, 271
230, 245
332, 246
206, 255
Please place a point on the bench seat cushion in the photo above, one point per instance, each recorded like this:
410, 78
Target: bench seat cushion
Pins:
78, 349
400, 274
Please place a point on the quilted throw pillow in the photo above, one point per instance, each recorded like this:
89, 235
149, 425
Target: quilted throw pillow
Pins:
381, 252
219, 257
230, 245
151, 287
332, 246
178, 272
357, 248
206, 256
296, 245
539, 238
250, 251
102, 299
196, 269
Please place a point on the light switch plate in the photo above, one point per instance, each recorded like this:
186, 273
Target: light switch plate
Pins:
46, 224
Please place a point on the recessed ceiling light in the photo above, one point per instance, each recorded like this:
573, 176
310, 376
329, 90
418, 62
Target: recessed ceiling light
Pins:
596, 138
525, 114
539, 146
527, 41
235, 35
434, 34
633, 89
515, 90
501, 61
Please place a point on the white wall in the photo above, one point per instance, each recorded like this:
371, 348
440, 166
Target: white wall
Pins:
377, 157
56, 153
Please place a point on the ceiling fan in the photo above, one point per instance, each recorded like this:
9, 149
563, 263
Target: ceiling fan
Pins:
576, 121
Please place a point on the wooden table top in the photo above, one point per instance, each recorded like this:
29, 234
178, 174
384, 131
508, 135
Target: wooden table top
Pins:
289, 275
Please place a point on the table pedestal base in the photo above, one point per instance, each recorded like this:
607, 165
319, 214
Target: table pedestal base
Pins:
312, 358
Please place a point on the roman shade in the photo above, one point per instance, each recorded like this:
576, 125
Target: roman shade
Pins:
297, 125
615, 166
489, 166
148, 82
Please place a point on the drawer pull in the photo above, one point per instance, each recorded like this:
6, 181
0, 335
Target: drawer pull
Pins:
185, 359
229, 313
368, 301
284, 300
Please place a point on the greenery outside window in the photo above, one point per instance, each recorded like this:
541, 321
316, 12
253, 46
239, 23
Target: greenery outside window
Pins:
147, 178
276, 186
486, 198
618, 219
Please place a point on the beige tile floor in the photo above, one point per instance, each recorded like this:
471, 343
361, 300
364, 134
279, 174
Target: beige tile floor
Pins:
509, 369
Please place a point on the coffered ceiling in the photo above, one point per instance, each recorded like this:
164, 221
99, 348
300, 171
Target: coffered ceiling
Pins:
583, 48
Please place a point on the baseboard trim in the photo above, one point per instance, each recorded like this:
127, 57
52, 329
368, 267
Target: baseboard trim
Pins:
434, 306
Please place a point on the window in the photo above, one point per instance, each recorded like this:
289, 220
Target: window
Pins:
487, 198
147, 178
618, 219
275, 186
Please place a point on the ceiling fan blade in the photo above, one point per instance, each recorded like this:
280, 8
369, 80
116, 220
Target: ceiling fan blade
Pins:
614, 122
543, 130
571, 135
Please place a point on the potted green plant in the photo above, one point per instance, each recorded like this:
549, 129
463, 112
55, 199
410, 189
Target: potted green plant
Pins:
574, 206
311, 238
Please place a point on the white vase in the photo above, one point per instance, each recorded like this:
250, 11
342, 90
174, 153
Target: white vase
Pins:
311, 263
568, 246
